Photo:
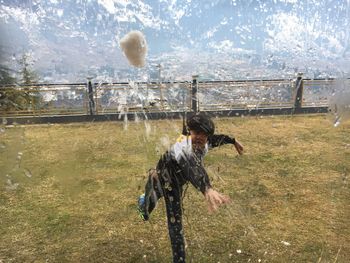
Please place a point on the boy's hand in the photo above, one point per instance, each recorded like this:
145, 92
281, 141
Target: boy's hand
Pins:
215, 199
239, 147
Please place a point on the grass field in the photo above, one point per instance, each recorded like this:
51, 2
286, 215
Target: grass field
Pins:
68, 193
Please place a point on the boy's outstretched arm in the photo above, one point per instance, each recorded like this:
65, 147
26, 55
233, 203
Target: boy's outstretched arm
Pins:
220, 139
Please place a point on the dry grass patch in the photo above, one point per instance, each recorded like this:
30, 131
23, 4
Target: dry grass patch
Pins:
67, 193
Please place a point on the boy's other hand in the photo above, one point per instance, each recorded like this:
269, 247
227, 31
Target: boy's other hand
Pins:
239, 147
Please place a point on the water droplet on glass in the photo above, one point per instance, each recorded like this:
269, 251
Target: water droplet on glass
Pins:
27, 173
19, 156
148, 129
285, 243
337, 122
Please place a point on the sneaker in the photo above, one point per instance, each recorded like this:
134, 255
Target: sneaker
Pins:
141, 207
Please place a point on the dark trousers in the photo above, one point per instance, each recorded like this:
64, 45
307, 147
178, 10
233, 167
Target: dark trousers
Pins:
165, 183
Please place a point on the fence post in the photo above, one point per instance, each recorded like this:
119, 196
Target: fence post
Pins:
299, 88
194, 93
91, 97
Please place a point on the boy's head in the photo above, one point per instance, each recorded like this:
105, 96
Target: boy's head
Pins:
201, 123
200, 127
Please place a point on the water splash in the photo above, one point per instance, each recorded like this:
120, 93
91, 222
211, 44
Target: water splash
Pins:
148, 129
339, 102
125, 122
10, 185
137, 118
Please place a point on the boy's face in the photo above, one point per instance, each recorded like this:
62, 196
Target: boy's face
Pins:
199, 139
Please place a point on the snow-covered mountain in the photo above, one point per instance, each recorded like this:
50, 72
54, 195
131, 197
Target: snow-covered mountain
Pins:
218, 39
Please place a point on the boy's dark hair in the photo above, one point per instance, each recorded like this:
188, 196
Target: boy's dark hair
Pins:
201, 123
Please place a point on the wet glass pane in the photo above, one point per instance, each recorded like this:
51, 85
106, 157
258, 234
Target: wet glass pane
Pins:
101, 159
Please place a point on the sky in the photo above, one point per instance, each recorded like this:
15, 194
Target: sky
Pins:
70, 40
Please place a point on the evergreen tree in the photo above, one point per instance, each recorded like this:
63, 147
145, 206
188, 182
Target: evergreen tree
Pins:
31, 95
22, 97
28, 76
9, 96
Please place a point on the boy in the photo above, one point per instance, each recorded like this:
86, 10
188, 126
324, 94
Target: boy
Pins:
183, 163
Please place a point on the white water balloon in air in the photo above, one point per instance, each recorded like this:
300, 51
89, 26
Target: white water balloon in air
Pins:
134, 46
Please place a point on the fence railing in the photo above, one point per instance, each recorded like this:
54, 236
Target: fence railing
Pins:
108, 98
245, 94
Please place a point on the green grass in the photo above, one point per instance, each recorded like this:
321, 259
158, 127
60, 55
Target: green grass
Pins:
68, 193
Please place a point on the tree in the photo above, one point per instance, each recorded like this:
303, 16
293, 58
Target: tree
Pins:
8, 94
31, 95
28, 76
25, 96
